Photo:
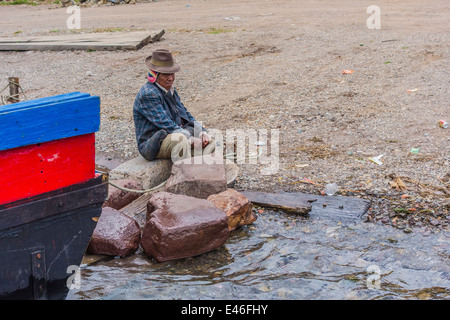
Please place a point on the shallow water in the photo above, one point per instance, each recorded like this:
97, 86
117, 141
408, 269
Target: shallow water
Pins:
283, 256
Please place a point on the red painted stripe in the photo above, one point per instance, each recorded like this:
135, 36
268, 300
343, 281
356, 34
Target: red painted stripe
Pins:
31, 170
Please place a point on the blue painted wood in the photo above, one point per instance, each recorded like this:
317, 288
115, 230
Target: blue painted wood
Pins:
31, 124
42, 101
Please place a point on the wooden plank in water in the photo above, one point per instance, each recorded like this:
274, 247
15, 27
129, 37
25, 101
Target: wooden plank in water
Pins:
281, 201
90, 259
339, 208
82, 41
138, 208
335, 208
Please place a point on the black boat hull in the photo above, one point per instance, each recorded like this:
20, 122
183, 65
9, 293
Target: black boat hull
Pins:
43, 240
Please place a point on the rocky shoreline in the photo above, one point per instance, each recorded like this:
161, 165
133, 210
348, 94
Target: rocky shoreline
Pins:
413, 207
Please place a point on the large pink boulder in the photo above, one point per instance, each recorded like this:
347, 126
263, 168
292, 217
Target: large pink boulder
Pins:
180, 226
197, 177
116, 234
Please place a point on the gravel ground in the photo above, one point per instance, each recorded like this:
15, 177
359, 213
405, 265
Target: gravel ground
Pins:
277, 65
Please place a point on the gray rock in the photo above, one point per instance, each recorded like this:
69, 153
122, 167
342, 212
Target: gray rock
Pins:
149, 174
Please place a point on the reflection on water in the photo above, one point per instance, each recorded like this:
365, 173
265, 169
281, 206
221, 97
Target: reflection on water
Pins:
283, 256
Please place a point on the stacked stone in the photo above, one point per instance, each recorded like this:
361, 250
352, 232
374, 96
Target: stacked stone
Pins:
193, 214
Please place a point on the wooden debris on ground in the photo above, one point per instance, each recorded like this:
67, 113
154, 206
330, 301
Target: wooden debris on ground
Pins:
98, 41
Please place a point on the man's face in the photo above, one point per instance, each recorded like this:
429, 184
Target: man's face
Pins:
166, 80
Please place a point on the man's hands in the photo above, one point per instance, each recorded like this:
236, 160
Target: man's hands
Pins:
200, 142
196, 143
205, 139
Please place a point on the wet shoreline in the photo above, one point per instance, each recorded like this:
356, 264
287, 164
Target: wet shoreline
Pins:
283, 256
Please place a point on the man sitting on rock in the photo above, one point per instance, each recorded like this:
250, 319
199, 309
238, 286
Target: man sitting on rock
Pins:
164, 128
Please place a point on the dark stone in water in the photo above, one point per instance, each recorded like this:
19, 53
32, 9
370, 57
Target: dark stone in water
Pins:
116, 234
